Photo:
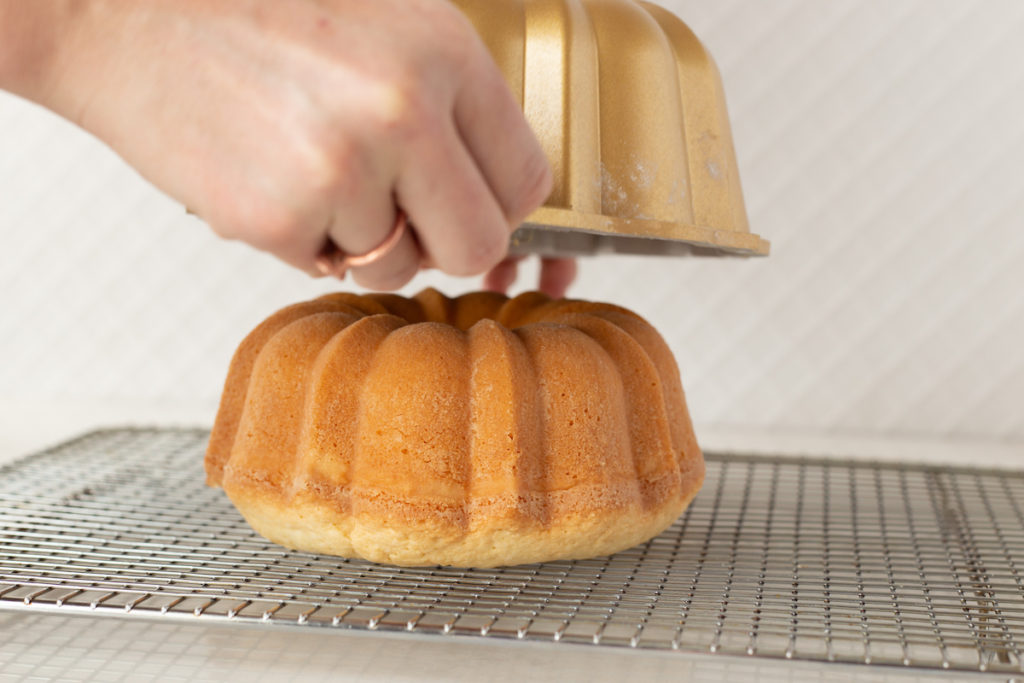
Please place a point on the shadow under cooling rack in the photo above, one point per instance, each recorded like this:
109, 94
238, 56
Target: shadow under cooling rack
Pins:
907, 566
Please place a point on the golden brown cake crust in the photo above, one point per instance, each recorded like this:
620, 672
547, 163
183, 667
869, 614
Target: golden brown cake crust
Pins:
475, 431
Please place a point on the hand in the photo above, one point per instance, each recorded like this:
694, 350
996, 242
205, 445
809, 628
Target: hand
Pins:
285, 124
556, 274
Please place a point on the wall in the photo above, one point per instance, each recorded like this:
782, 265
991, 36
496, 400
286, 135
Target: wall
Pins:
880, 145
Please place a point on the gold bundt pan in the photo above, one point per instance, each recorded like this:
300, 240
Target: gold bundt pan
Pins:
629, 107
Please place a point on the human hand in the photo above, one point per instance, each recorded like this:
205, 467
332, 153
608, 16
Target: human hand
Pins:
286, 125
556, 274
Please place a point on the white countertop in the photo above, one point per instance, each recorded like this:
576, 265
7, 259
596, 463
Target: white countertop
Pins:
46, 647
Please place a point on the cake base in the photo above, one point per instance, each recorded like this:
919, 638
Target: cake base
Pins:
489, 540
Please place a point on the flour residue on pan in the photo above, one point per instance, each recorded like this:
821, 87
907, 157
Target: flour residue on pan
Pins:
636, 194
620, 192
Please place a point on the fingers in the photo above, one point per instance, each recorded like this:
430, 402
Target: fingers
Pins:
461, 227
361, 226
462, 162
466, 182
501, 277
502, 144
556, 274
393, 270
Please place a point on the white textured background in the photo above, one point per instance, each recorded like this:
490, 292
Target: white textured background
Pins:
881, 147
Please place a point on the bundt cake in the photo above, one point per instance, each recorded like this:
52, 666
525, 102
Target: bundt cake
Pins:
476, 431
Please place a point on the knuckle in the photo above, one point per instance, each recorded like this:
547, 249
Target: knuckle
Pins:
266, 225
482, 254
334, 168
457, 35
225, 230
403, 109
397, 102
276, 233
410, 95
250, 217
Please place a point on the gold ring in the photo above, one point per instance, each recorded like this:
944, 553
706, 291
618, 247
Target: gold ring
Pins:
333, 261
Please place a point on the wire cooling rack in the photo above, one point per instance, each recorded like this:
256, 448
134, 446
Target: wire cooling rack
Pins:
909, 566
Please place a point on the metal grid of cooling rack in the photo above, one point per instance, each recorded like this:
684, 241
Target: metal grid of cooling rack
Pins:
907, 566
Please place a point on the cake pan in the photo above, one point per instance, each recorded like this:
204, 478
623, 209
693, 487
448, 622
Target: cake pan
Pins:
629, 108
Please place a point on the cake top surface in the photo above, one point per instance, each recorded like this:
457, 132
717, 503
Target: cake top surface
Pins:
463, 312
